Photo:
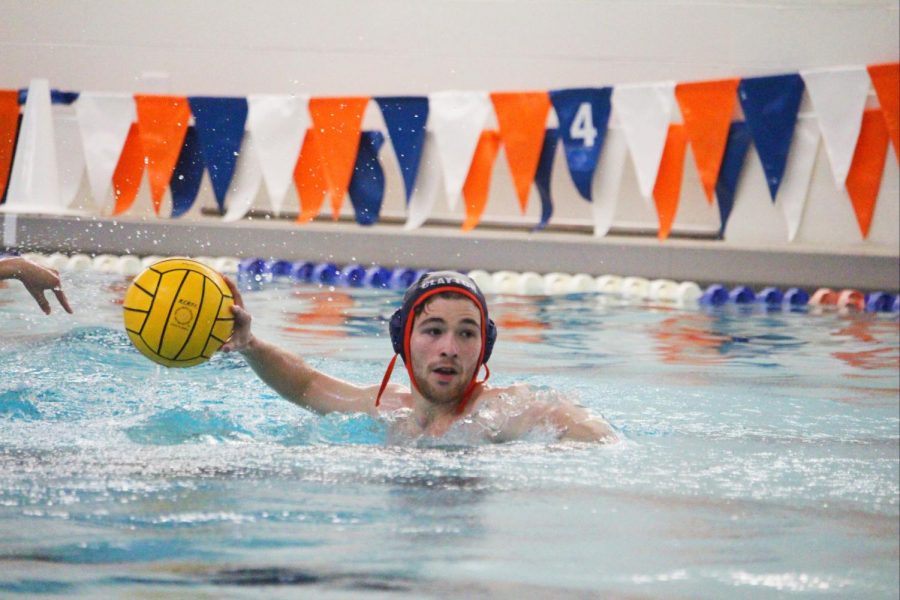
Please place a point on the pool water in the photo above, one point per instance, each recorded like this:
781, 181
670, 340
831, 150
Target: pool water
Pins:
760, 459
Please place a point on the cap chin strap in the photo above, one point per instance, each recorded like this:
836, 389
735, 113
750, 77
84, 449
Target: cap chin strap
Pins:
465, 399
462, 405
385, 379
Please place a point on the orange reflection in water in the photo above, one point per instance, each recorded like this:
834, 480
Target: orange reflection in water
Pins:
520, 322
877, 358
869, 331
687, 339
325, 310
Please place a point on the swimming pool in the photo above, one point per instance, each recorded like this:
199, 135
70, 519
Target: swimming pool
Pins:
761, 458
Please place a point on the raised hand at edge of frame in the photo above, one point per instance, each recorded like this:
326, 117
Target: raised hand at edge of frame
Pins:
36, 279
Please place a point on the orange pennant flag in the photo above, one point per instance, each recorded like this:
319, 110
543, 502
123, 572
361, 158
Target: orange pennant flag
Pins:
667, 189
338, 122
478, 181
707, 108
310, 179
522, 117
129, 170
886, 80
9, 122
864, 178
163, 123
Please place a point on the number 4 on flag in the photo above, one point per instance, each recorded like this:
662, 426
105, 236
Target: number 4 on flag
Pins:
583, 125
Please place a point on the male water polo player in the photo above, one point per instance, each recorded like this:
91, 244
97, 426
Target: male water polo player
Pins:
444, 336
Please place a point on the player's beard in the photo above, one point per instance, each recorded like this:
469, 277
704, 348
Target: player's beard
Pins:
441, 394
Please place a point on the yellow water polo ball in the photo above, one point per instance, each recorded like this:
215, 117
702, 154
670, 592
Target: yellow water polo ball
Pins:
178, 312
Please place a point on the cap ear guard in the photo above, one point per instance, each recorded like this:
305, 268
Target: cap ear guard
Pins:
396, 329
490, 338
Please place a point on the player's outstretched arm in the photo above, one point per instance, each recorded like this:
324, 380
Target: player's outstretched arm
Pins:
288, 374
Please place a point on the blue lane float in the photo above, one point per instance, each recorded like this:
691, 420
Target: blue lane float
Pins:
796, 297
742, 295
282, 268
353, 275
880, 302
326, 274
718, 295
378, 277
403, 278
770, 296
715, 295
302, 271
257, 269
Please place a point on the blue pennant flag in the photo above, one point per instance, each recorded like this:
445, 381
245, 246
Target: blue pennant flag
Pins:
188, 173
543, 175
405, 118
583, 117
56, 96
220, 128
367, 183
732, 163
770, 107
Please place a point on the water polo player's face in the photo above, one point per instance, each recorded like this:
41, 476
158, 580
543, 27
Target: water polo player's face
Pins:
445, 346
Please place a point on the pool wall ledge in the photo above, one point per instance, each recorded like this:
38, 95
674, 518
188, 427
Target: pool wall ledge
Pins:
860, 266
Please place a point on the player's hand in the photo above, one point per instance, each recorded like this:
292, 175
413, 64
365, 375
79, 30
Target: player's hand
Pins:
38, 280
241, 335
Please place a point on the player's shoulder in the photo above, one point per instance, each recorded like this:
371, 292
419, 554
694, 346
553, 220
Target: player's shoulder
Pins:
515, 391
395, 397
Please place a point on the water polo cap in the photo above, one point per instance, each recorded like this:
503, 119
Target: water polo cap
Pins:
431, 284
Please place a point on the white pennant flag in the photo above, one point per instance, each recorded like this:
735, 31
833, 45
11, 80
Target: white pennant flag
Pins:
838, 96
34, 180
797, 174
278, 125
246, 181
428, 185
457, 120
644, 112
104, 120
608, 180
69, 155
